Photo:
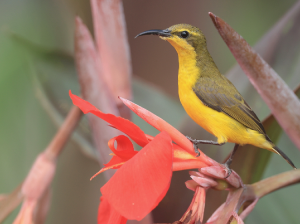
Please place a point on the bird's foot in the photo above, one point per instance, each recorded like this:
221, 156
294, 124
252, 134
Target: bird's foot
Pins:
208, 142
227, 164
194, 141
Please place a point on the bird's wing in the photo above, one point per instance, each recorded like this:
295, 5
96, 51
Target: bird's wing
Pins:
222, 96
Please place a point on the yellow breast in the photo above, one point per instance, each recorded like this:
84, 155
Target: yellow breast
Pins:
187, 77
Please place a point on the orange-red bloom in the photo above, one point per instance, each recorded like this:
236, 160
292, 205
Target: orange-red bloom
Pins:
143, 177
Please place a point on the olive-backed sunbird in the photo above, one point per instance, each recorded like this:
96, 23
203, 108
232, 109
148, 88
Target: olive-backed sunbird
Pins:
209, 98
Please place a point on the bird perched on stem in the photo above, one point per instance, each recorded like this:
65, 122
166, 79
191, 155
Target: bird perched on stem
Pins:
209, 98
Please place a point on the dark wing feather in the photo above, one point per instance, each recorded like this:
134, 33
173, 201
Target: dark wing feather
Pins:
221, 95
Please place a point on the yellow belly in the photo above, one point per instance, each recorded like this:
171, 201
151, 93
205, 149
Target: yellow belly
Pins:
225, 128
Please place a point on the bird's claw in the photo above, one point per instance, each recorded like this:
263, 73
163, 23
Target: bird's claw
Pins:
196, 150
229, 171
194, 141
194, 145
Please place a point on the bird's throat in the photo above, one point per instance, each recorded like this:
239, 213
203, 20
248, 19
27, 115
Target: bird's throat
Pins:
194, 63
187, 57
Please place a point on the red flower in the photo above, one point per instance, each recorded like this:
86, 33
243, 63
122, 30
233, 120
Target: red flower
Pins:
143, 177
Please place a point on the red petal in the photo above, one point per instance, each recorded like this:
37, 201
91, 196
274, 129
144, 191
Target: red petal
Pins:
124, 149
162, 125
108, 215
124, 125
141, 183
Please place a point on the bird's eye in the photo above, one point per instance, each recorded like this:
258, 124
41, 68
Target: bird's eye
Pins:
184, 34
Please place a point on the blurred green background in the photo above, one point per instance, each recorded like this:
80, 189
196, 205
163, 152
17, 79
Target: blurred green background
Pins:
37, 70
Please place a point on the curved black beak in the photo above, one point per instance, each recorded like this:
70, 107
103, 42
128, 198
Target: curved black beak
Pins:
162, 33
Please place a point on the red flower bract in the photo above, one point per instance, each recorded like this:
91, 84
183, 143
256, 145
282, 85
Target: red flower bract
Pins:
141, 183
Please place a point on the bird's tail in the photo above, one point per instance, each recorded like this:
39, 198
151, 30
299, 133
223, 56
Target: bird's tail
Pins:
279, 152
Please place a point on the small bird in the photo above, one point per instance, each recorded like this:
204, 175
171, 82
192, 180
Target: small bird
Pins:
209, 98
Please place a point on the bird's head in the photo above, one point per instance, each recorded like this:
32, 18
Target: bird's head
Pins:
183, 37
